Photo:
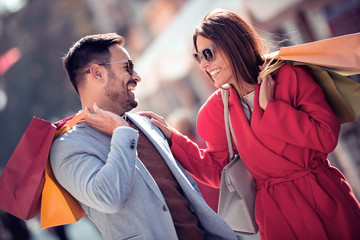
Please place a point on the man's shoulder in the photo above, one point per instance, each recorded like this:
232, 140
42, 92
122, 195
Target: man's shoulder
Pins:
79, 141
80, 136
77, 132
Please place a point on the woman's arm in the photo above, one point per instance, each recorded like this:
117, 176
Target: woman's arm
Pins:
299, 113
205, 164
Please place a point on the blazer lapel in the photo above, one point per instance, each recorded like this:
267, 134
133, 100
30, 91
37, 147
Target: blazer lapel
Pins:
161, 144
141, 169
149, 180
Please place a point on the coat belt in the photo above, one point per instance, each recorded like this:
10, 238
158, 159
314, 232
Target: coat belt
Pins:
323, 203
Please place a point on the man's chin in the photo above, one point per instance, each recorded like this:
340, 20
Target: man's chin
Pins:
136, 103
133, 104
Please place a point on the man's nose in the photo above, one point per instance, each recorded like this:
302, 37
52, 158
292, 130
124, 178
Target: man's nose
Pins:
135, 76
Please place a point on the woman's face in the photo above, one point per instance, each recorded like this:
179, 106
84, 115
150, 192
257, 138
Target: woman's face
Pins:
220, 69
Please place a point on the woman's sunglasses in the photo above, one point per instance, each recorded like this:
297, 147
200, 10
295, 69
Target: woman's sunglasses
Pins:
129, 67
207, 53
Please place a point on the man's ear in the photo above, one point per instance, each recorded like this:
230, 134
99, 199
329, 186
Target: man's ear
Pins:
98, 72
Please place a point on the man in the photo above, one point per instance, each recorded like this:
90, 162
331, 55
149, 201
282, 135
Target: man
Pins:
118, 165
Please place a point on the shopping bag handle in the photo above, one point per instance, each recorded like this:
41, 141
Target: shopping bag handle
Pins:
78, 118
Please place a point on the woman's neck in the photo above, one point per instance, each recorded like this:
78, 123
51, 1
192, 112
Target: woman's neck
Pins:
245, 89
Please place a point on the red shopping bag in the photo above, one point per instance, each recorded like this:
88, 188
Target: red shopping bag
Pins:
23, 177
28, 173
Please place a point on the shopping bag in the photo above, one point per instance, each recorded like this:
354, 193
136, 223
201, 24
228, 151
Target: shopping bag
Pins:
23, 176
58, 207
342, 93
340, 53
330, 61
28, 172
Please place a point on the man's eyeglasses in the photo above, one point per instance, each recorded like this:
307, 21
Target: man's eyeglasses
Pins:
207, 53
129, 67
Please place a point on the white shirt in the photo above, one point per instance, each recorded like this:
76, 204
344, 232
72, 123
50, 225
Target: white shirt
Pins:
248, 104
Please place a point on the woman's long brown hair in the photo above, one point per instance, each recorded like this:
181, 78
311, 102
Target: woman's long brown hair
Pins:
239, 40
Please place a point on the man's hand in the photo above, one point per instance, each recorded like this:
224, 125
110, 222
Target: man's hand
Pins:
104, 121
159, 122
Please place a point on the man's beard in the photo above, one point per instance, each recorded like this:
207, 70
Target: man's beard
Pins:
120, 102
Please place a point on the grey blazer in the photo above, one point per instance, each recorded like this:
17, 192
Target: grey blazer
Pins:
115, 189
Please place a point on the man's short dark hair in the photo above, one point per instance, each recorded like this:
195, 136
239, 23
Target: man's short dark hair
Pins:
88, 50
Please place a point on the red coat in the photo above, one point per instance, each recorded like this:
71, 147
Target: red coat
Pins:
299, 195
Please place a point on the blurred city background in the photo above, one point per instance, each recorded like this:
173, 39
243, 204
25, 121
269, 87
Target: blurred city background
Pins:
35, 34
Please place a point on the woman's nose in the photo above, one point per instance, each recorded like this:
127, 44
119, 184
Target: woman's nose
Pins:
204, 64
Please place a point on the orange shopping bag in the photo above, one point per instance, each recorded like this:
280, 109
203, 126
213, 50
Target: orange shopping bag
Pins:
329, 62
339, 53
58, 207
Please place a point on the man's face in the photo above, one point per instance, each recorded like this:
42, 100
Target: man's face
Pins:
120, 85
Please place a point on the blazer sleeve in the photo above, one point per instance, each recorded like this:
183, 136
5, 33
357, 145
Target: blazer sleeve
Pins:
78, 166
299, 113
204, 164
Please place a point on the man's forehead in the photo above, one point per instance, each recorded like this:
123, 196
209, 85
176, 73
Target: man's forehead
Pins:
118, 52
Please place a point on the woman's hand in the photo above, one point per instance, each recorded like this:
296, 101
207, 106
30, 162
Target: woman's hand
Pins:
267, 89
159, 122
104, 121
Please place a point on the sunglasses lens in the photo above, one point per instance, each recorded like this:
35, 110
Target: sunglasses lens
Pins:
197, 57
208, 54
130, 67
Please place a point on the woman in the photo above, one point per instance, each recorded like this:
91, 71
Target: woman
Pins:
284, 129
